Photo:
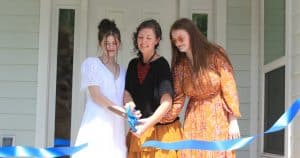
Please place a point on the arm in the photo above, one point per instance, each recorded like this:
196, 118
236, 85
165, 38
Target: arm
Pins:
91, 79
230, 96
128, 102
229, 89
165, 91
127, 98
101, 100
165, 105
179, 96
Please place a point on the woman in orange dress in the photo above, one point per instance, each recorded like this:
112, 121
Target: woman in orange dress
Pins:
203, 72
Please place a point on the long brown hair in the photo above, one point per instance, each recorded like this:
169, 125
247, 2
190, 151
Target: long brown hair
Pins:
202, 50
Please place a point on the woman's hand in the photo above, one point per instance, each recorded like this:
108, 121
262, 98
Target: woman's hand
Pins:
119, 110
131, 106
143, 125
234, 130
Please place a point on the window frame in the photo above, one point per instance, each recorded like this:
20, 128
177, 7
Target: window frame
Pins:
265, 68
210, 28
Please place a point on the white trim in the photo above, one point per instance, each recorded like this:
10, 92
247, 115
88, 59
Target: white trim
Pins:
254, 73
286, 61
220, 22
45, 114
75, 82
78, 102
261, 78
52, 77
210, 19
43, 69
274, 64
217, 19
288, 76
268, 155
76, 76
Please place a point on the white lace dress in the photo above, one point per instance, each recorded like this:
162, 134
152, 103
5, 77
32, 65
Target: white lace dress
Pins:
103, 130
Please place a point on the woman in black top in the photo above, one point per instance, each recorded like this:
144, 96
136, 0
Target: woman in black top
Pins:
148, 88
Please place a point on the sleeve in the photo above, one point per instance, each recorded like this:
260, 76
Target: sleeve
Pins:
228, 86
165, 79
129, 74
179, 96
90, 73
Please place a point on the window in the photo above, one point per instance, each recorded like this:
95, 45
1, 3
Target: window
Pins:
64, 75
8, 141
200, 20
274, 73
274, 30
274, 108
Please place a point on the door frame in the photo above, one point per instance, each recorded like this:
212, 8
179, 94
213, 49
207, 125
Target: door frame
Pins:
45, 111
46, 88
218, 13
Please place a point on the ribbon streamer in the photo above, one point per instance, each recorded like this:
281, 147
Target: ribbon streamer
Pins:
232, 144
23, 151
61, 145
61, 142
132, 120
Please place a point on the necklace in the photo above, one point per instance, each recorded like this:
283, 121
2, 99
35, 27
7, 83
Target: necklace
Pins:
149, 59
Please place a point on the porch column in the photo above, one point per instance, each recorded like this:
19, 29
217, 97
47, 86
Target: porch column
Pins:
295, 20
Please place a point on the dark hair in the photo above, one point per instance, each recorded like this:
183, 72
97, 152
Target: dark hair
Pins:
152, 24
108, 27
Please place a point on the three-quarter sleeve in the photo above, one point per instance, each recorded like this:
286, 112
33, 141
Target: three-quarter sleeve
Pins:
228, 86
90, 73
179, 96
165, 79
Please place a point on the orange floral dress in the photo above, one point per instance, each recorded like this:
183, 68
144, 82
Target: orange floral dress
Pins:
209, 106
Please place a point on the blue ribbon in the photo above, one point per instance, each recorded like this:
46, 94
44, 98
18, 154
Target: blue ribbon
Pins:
24, 151
132, 120
61, 147
232, 144
61, 142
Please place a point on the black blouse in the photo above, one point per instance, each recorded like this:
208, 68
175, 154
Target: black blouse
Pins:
157, 82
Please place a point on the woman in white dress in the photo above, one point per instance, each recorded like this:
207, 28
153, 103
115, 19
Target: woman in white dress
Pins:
103, 80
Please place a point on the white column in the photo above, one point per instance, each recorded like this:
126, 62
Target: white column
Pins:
254, 75
43, 71
295, 75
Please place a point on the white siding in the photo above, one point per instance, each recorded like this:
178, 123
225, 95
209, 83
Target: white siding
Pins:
18, 68
296, 73
238, 48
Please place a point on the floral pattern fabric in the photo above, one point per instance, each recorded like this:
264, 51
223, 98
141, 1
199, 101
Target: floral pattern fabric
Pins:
209, 106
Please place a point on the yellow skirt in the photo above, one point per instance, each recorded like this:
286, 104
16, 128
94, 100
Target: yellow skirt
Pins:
165, 133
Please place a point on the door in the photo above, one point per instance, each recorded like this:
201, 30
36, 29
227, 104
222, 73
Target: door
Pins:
127, 14
84, 16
